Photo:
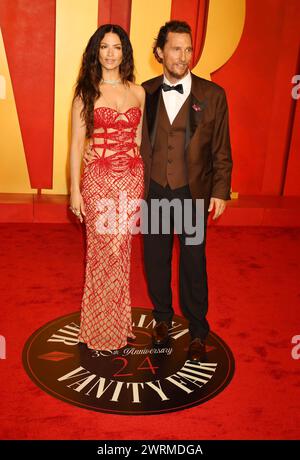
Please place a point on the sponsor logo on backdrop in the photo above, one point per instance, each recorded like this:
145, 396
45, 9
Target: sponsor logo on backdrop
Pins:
138, 379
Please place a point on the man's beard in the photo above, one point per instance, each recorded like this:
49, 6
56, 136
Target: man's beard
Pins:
176, 75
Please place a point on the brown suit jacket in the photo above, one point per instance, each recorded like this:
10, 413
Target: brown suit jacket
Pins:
207, 140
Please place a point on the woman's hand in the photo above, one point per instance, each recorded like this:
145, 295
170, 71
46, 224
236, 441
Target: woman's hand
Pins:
77, 205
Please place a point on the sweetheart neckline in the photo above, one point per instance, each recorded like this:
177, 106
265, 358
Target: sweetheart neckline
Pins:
115, 110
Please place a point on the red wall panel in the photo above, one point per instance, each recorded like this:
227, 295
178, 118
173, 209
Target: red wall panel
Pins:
194, 12
28, 28
115, 12
257, 81
292, 180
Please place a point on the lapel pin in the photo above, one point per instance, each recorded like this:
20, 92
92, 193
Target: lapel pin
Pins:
196, 107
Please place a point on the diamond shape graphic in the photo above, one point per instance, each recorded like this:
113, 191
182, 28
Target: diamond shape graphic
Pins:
56, 356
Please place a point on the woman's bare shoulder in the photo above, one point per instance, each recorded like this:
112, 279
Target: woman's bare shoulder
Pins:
138, 90
77, 103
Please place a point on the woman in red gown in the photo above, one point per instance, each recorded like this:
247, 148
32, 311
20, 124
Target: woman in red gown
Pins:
107, 111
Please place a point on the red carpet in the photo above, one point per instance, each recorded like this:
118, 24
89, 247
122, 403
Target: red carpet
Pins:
254, 307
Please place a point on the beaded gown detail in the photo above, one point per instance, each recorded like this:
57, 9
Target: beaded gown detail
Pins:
115, 171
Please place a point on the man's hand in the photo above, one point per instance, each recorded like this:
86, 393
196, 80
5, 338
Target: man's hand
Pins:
219, 205
88, 154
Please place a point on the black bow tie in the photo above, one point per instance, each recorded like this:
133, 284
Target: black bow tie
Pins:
178, 87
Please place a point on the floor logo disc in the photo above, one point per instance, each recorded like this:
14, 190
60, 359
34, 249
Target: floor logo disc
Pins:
139, 379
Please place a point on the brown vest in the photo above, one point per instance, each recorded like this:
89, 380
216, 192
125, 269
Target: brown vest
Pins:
168, 162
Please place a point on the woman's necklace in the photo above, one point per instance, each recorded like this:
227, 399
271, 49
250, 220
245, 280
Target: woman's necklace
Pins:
111, 82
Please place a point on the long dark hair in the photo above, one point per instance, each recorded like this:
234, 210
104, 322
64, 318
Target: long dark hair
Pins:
90, 74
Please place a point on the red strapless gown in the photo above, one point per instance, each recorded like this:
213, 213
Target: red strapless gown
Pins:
106, 306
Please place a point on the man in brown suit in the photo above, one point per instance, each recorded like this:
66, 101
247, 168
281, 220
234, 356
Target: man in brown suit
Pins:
187, 155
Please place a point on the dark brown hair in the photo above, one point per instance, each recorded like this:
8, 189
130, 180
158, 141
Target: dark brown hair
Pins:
180, 27
90, 74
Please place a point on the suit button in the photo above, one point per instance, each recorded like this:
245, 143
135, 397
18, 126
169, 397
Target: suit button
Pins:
169, 160
170, 147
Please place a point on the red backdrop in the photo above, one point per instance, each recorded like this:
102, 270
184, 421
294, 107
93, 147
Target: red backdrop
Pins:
264, 118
